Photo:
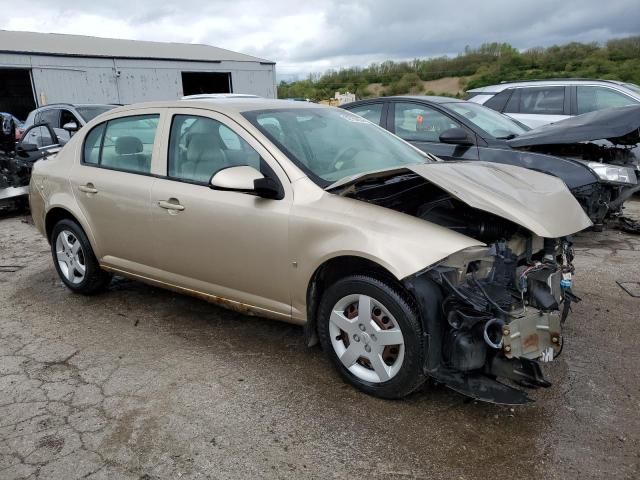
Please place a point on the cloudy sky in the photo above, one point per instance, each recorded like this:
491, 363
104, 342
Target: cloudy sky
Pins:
314, 36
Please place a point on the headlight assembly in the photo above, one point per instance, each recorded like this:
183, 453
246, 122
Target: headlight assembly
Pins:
613, 173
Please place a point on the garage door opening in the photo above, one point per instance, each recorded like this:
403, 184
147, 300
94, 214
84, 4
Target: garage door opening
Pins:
16, 93
194, 83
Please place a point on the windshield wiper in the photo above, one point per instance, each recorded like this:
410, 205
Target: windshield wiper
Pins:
508, 137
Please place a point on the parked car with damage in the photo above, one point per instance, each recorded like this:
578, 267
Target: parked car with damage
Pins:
540, 102
45, 131
403, 267
17, 160
597, 154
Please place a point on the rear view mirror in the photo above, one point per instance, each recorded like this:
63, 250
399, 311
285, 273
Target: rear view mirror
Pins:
456, 136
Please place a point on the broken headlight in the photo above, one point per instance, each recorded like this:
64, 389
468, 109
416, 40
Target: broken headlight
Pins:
613, 173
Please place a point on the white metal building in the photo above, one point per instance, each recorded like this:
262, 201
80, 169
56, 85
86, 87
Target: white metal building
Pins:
42, 68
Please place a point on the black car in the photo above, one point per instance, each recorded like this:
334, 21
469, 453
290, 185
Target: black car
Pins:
596, 154
16, 160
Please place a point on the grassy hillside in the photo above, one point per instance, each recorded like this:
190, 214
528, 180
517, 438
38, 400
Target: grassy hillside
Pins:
490, 63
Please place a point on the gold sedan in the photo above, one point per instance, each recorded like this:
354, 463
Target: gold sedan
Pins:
402, 266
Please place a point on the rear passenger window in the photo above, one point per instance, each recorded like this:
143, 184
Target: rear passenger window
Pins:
372, 112
122, 144
128, 143
596, 98
199, 147
92, 142
542, 100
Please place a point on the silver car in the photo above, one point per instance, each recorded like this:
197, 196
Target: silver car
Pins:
539, 102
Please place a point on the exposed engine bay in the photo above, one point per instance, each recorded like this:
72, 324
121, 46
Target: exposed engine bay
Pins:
501, 306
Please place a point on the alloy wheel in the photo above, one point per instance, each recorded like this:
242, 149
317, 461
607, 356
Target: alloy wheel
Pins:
70, 257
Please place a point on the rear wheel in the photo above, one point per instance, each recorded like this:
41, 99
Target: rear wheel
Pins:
74, 259
372, 335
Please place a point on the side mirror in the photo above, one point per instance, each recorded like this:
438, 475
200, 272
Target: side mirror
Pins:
70, 127
456, 136
245, 179
27, 147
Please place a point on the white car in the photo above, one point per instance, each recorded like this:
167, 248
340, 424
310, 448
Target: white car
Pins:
539, 102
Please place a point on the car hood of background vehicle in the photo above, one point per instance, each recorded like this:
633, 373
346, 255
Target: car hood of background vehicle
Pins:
618, 125
541, 203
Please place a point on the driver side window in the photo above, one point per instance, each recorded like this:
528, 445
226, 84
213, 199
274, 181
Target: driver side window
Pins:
199, 147
415, 122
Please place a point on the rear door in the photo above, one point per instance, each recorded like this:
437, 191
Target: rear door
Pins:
421, 125
112, 184
536, 106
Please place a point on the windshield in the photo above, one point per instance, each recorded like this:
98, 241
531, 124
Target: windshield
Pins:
492, 122
331, 144
89, 113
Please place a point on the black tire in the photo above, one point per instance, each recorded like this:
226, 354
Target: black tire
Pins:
410, 376
95, 279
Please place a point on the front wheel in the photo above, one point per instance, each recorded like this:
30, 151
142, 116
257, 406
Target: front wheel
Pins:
373, 336
75, 261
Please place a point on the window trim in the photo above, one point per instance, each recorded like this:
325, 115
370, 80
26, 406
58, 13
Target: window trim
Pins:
104, 132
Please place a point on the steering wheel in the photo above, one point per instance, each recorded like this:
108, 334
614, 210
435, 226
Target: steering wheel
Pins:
343, 153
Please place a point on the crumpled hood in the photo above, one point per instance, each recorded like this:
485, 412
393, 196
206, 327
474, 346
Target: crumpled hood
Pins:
539, 202
618, 125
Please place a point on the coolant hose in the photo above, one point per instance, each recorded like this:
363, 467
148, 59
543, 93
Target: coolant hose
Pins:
487, 339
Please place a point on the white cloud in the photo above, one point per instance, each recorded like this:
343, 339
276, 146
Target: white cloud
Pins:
327, 34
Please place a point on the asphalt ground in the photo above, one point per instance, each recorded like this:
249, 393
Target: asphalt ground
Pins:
141, 383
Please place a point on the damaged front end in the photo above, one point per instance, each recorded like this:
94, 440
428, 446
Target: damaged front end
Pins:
494, 311
502, 311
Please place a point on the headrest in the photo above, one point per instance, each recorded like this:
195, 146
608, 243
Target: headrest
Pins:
201, 144
128, 145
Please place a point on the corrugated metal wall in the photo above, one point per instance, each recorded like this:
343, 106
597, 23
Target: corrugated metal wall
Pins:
105, 80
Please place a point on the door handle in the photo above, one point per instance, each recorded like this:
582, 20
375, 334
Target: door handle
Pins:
171, 204
88, 188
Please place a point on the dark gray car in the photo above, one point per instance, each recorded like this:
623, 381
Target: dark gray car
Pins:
601, 169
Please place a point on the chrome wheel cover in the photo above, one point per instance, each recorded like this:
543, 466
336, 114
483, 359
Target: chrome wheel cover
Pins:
366, 338
70, 257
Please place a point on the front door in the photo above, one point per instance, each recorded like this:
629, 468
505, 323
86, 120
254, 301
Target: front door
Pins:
112, 185
421, 126
223, 243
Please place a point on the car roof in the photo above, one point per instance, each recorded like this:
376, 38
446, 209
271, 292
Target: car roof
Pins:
546, 82
230, 105
76, 105
423, 98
